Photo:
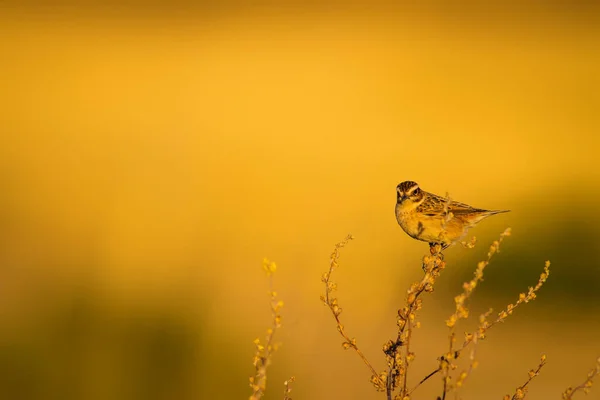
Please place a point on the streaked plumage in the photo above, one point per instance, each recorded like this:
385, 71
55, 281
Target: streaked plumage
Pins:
432, 218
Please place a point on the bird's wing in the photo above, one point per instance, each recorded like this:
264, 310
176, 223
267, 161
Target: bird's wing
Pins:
435, 205
461, 208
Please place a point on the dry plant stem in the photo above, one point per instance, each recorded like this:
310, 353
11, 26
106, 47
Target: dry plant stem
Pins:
445, 389
586, 385
447, 368
447, 361
288, 388
521, 391
501, 317
406, 356
463, 377
336, 310
462, 312
423, 381
398, 354
473, 362
262, 357
532, 374
432, 266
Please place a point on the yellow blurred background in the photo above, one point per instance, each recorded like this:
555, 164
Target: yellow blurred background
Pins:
152, 154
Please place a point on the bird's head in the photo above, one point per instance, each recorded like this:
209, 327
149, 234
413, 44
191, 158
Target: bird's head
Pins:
409, 191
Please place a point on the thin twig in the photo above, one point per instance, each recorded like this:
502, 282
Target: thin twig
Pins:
521, 391
288, 388
423, 381
336, 310
485, 326
407, 355
432, 265
262, 357
532, 374
586, 385
446, 364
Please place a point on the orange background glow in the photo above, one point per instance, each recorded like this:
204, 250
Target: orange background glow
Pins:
151, 155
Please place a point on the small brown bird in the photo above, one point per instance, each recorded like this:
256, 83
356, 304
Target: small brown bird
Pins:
434, 219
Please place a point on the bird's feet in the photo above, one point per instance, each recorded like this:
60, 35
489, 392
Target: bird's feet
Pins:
436, 251
437, 248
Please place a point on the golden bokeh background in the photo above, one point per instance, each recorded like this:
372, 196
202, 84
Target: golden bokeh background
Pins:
152, 154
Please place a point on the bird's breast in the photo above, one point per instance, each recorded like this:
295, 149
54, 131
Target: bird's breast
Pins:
408, 220
423, 227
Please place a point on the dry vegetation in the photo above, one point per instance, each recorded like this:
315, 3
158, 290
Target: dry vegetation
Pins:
264, 352
394, 380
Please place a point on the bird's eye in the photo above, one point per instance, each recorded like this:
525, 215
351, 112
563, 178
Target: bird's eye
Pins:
416, 192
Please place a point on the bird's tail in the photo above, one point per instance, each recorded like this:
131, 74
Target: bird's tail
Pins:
486, 213
492, 212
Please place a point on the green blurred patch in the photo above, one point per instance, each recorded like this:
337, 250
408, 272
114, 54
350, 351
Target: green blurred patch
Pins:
560, 232
84, 350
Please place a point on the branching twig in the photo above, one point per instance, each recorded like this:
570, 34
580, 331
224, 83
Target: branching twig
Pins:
521, 391
288, 388
462, 311
398, 353
501, 317
336, 310
262, 357
406, 321
586, 385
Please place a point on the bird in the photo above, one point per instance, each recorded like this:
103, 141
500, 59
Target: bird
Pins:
434, 219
